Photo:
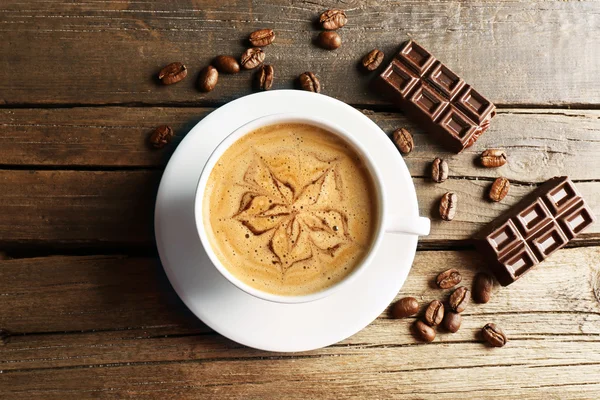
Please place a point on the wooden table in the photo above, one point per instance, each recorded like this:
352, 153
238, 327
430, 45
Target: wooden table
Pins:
85, 308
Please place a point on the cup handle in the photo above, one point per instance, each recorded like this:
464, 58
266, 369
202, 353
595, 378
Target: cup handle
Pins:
404, 224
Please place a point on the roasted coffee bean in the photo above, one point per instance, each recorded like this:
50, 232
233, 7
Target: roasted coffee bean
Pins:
161, 136
262, 37
499, 189
493, 158
434, 314
452, 321
448, 279
448, 205
207, 80
226, 64
439, 170
494, 335
4, 336
333, 19
403, 140
264, 77
459, 299
329, 40
423, 332
405, 307
373, 60
482, 287
309, 81
172, 73
252, 58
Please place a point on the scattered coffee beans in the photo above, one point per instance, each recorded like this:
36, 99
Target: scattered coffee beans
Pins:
439, 170
493, 335
161, 136
252, 58
459, 299
264, 77
448, 205
499, 189
207, 80
405, 307
493, 158
434, 314
448, 279
452, 321
226, 64
172, 73
308, 81
403, 140
262, 37
423, 332
333, 19
329, 40
482, 287
373, 60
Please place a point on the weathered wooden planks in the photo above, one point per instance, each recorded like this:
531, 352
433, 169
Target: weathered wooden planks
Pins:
115, 208
552, 319
540, 143
515, 52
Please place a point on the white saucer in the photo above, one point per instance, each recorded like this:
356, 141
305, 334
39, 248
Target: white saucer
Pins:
239, 316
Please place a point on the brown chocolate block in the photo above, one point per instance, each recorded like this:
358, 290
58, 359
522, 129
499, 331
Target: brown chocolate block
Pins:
430, 93
541, 223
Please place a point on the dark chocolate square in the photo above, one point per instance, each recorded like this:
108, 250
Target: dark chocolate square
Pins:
504, 237
547, 240
444, 80
575, 219
477, 107
562, 197
416, 57
429, 101
532, 218
457, 124
519, 261
399, 77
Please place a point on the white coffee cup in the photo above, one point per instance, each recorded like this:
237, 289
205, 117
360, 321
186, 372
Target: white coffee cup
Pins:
390, 220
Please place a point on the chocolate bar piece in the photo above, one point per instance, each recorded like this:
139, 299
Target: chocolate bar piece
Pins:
543, 222
433, 95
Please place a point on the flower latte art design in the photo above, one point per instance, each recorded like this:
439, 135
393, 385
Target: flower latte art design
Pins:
288, 209
300, 227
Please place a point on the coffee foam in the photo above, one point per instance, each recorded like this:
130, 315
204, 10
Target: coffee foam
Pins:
290, 209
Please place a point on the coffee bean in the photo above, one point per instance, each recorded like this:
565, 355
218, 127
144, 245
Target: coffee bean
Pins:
448, 205
482, 287
439, 170
494, 335
207, 80
172, 73
405, 307
373, 60
4, 336
333, 19
403, 140
308, 81
262, 37
226, 64
434, 314
499, 189
161, 136
452, 321
448, 279
264, 77
493, 158
459, 299
423, 332
252, 58
329, 40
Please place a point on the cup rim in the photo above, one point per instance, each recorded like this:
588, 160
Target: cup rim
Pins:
282, 118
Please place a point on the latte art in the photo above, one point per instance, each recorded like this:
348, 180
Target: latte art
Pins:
288, 209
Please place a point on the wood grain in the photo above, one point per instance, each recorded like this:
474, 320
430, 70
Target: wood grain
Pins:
552, 320
115, 208
540, 143
514, 52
